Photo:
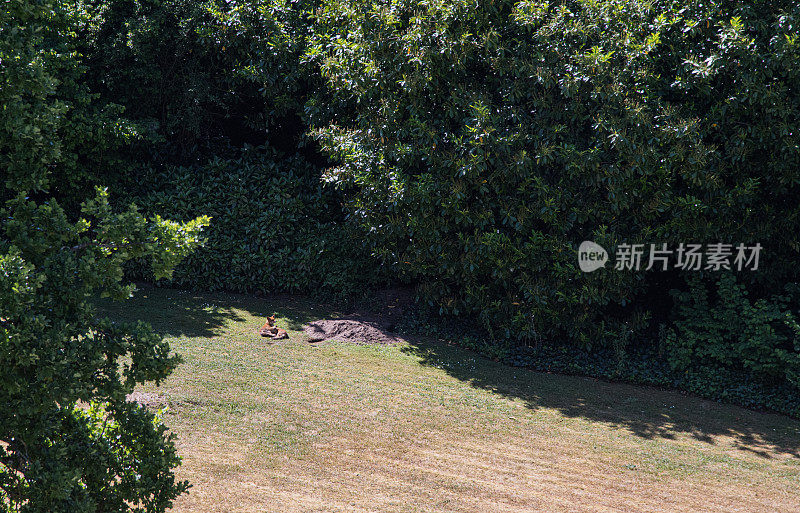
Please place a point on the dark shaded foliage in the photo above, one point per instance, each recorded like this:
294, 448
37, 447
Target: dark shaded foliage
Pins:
275, 227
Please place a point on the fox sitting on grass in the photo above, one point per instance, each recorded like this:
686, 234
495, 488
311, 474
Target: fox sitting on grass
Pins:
270, 330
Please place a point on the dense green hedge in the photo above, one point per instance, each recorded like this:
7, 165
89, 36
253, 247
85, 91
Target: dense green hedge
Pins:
274, 227
487, 139
723, 328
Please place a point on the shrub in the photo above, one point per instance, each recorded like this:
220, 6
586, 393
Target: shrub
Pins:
482, 141
275, 226
760, 339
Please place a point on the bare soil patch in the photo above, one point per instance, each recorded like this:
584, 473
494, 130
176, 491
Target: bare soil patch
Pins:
372, 325
350, 330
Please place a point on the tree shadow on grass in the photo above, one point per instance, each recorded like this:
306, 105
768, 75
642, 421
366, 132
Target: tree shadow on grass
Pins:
647, 412
181, 313
172, 313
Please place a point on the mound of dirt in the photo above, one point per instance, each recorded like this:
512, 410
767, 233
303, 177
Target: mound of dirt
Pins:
350, 330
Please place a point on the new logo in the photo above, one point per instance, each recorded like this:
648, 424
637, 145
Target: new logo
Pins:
591, 256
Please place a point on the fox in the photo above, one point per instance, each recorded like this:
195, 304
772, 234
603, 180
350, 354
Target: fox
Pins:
270, 330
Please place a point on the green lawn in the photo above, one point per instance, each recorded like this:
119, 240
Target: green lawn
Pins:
425, 426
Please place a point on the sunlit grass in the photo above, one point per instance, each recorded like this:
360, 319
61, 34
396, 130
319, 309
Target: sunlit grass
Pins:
426, 426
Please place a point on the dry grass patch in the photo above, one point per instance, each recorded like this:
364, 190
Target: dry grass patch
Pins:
428, 427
